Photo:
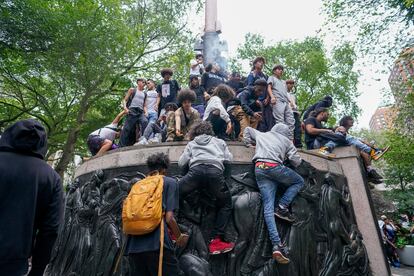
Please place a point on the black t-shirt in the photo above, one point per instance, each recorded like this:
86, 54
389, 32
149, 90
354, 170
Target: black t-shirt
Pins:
199, 95
310, 139
168, 91
209, 81
151, 241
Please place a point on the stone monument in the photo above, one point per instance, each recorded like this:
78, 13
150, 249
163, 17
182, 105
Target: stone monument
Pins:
335, 232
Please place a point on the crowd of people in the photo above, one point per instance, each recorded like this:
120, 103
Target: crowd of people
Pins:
394, 230
261, 112
165, 112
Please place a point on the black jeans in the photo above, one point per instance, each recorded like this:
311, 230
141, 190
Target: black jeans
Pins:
297, 133
128, 134
212, 179
146, 263
219, 125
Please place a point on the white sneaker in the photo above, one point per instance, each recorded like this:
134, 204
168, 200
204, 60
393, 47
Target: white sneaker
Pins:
142, 141
156, 139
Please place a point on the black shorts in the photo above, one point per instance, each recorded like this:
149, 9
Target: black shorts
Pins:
94, 143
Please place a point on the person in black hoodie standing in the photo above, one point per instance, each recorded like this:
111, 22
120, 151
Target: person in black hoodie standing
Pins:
31, 200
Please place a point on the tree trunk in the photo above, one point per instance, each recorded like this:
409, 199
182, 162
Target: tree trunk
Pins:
69, 147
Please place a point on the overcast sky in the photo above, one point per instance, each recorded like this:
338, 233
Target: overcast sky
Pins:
294, 19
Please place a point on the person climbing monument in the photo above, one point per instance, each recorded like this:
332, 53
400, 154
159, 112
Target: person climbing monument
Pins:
144, 250
102, 140
167, 89
326, 102
31, 196
272, 149
205, 156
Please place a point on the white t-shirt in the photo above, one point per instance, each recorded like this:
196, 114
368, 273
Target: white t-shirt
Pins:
151, 102
107, 132
195, 70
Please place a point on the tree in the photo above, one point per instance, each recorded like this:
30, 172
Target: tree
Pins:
68, 63
382, 27
316, 74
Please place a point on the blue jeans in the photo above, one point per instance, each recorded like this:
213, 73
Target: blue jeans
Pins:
268, 181
152, 116
357, 143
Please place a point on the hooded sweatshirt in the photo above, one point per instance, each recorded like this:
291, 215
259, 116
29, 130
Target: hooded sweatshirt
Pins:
273, 146
215, 103
205, 149
31, 200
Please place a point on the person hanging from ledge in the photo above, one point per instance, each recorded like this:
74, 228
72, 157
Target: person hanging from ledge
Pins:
102, 140
134, 106
272, 149
179, 124
216, 113
205, 156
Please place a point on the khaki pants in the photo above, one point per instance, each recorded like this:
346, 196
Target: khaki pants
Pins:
244, 119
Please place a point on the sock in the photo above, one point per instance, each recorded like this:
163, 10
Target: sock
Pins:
369, 168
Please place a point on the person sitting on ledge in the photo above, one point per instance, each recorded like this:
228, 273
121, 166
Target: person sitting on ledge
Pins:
272, 149
205, 156
156, 132
367, 151
319, 137
102, 140
216, 114
179, 124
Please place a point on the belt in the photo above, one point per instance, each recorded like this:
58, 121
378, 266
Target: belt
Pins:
266, 165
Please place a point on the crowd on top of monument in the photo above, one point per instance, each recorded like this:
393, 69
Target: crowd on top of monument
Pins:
166, 112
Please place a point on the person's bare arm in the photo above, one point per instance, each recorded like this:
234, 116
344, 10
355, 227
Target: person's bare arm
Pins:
173, 226
158, 102
125, 100
270, 93
312, 130
177, 123
118, 117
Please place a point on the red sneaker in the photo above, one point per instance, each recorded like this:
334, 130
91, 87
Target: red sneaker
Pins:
217, 246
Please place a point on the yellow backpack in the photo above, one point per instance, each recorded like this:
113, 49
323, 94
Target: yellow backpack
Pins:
142, 212
142, 209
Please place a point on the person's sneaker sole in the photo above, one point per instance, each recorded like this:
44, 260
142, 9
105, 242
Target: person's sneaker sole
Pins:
328, 155
284, 218
377, 157
217, 252
280, 258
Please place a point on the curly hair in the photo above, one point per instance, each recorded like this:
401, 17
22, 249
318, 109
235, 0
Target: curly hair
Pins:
203, 127
224, 92
186, 95
166, 71
257, 59
158, 161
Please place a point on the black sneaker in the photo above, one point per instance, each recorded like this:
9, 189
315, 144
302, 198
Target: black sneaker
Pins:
280, 254
284, 214
374, 177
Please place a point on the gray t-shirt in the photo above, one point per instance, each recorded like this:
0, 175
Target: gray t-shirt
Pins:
107, 132
279, 89
138, 100
151, 103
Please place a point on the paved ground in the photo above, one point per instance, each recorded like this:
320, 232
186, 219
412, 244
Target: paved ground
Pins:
403, 271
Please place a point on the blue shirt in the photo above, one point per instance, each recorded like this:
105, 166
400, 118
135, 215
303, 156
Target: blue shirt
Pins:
151, 241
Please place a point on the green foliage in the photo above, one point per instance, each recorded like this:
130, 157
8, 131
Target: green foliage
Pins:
69, 63
382, 27
316, 74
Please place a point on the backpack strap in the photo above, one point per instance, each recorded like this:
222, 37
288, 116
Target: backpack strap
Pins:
161, 246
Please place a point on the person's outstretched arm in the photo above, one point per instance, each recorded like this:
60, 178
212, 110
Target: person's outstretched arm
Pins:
185, 157
249, 136
118, 117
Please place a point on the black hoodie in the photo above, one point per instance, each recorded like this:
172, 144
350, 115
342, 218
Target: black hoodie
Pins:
31, 200
325, 102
